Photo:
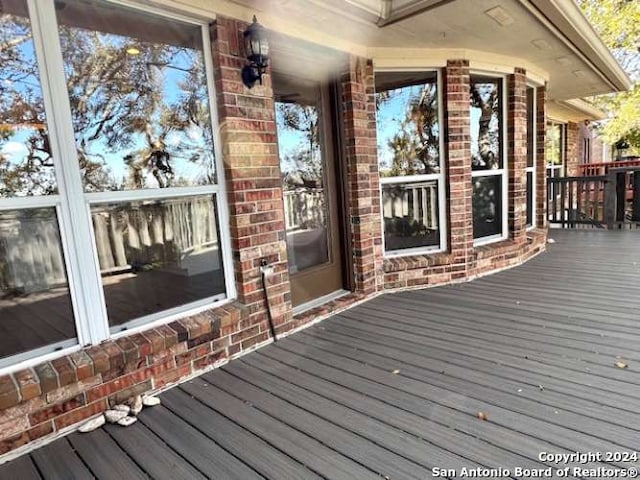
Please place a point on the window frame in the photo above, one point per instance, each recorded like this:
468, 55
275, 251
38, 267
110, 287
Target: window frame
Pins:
503, 172
563, 157
534, 144
439, 178
73, 205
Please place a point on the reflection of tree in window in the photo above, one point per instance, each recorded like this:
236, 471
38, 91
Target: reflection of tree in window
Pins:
553, 144
26, 163
301, 163
301, 158
139, 105
413, 148
485, 106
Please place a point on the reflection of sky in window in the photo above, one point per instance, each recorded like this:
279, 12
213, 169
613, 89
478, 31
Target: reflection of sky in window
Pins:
290, 143
170, 79
389, 117
19, 84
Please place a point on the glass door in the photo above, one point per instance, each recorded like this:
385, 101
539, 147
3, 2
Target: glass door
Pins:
308, 182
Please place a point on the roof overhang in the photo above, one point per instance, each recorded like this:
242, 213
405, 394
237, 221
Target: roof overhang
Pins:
568, 21
550, 38
575, 110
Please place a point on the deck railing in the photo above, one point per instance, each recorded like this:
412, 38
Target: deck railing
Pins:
574, 201
596, 169
611, 200
304, 208
416, 202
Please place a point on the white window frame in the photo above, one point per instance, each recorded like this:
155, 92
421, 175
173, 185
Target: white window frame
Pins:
503, 172
532, 169
563, 159
439, 178
72, 204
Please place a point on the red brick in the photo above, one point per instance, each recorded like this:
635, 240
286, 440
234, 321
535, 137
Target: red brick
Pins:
47, 377
83, 364
80, 414
57, 409
69, 391
65, 369
172, 376
110, 387
14, 426
23, 438
28, 384
100, 359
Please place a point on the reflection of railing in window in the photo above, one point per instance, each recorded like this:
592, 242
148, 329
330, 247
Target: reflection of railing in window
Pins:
30, 255
304, 209
158, 233
416, 201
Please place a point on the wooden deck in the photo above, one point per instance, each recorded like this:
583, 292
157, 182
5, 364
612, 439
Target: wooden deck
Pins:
392, 388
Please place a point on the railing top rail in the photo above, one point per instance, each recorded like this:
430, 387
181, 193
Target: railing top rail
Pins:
634, 168
587, 178
608, 165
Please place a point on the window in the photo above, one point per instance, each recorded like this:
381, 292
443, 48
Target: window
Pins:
531, 157
554, 149
110, 205
410, 163
488, 162
586, 149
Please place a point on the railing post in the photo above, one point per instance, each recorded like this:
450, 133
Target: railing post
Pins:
610, 200
635, 208
621, 195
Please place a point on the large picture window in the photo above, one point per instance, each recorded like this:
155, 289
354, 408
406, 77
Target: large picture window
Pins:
410, 163
110, 206
488, 158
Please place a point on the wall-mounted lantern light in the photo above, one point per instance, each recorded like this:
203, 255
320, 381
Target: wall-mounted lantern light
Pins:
257, 49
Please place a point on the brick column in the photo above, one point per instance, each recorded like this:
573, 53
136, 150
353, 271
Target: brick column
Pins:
517, 154
571, 149
253, 179
458, 160
363, 179
541, 162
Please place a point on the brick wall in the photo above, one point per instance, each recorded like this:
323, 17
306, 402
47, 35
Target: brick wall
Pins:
458, 163
572, 150
254, 183
51, 396
363, 180
517, 154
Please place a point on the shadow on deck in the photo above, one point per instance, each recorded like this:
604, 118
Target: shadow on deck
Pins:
393, 387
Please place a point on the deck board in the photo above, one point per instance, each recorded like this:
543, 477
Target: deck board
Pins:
393, 386
104, 457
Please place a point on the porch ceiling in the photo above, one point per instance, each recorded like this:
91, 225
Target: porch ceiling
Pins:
549, 38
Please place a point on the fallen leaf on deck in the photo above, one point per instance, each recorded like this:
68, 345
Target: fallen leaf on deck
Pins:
621, 364
395, 372
483, 416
